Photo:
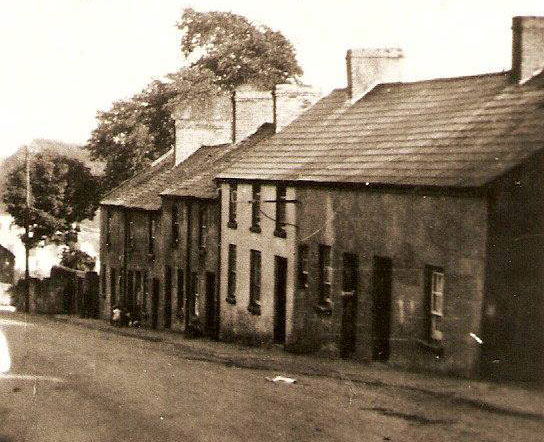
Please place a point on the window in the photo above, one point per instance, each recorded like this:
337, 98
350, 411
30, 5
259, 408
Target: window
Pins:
108, 227
151, 234
281, 193
175, 224
180, 294
435, 296
202, 226
130, 231
195, 289
349, 270
302, 267
113, 281
325, 277
256, 208
255, 282
103, 280
145, 291
233, 198
231, 284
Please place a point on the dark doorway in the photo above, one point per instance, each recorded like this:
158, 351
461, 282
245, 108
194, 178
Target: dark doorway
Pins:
155, 303
168, 297
349, 304
211, 320
280, 298
381, 308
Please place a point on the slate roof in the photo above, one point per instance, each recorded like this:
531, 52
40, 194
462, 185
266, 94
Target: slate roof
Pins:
191, 178
459, 132
200, 182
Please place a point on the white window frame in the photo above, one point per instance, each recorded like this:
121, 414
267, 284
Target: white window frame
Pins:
437, 303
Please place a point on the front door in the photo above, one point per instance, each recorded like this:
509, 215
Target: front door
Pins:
280, 298
381, 308
349, 305
168, 297
211, 320
155, 303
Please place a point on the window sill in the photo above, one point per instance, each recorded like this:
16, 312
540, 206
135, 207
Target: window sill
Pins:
232, 224
230, 300
255, 229
280, 233
324, 309
254, 309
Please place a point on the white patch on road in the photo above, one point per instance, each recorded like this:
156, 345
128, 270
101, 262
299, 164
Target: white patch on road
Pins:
5, 358
29, 377
9, 322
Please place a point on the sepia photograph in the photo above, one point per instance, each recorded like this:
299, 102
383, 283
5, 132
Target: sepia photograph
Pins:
255, 220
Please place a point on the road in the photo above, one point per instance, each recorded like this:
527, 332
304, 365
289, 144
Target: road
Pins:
69, 383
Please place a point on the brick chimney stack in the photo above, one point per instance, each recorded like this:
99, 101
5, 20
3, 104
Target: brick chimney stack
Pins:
527, 47
369, 67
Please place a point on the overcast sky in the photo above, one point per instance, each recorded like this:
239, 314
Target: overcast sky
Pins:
62, 60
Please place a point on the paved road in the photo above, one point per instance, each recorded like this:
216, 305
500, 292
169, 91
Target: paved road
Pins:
74, 384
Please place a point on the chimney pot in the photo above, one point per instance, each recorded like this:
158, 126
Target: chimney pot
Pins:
527, 47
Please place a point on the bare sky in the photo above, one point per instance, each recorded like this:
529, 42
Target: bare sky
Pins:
62, 60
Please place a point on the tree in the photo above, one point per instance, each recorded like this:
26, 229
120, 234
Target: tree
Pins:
237, 51
63, 193
225, 51
133, 133
77, 259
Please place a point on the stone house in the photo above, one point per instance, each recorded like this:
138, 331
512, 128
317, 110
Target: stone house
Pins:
159, 249
399, 222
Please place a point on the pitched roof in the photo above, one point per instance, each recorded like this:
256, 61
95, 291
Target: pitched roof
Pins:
200, 183
193, 177
460, 132
142, 190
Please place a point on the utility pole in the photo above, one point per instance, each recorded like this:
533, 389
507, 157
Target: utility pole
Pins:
27, 230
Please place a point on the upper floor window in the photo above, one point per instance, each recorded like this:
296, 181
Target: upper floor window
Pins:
233, 199
435, 296
281, 193
231, 283
349, 270
256, 208
130, 230
202, 226
303, 266
175, 224
151, 221
108, 227
325, 277
255, 282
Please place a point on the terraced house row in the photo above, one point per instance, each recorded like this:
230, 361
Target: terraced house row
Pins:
392, 221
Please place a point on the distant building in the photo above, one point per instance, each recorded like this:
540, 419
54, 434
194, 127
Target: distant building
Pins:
7, 265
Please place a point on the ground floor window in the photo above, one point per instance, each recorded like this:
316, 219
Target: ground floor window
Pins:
255, 282
435, 298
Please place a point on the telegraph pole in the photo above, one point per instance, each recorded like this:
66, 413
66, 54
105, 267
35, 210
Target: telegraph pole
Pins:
27, 230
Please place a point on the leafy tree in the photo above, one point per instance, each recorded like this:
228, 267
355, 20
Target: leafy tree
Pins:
77, 259
226, 51
63, 193
236, 51
133, 133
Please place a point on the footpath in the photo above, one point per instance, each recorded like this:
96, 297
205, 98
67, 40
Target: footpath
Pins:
509, 399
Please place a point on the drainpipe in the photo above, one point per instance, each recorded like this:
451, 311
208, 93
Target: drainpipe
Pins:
218, 271
123, 289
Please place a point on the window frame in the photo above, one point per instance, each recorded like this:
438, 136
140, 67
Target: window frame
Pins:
174, 224
231, 276
326, 277
233, 202
303, 266
108, 227
202, 227
255, 208
151, 233
281, 212
435, 285
255, 275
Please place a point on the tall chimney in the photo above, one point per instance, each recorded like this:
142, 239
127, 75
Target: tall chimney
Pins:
527, 47
252, 108
290, 101
369, 67
202, 123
